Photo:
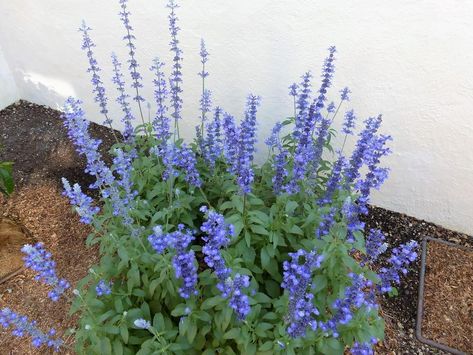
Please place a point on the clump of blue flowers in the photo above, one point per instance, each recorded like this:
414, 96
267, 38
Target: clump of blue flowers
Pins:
40, 260
207, 251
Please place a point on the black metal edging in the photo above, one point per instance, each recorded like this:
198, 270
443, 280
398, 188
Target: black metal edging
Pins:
420, 301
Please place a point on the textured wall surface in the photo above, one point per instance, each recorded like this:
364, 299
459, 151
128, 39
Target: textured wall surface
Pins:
8, 90
411, 60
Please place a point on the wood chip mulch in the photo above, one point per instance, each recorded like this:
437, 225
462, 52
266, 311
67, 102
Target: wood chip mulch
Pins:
448, 296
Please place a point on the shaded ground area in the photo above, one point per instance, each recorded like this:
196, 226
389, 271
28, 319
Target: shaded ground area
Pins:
34, 137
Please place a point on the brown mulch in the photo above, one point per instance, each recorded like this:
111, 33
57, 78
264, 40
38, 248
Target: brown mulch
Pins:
448, 296
34, 138
38, 143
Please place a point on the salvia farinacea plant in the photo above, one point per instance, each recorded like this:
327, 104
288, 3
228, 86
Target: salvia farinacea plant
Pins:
205, 252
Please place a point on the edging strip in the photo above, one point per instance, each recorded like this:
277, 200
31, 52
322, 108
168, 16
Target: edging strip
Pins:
420, 300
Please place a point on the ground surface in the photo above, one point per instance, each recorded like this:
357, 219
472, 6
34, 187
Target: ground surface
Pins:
35, 139
448, 296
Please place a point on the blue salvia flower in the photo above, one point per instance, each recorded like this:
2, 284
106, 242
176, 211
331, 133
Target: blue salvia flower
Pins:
293, 90
312, 151
77, 127
122, 99
400, 258
82, 203
239, 301
22, 326
352, 172
133, 64
349, 122
40, 260
327, 74
175, 79
246, 146
213, 141
186, 161
308, 154
231, 134
354, 298
375, 245
297, 280
142, 323
305, 89
122, 163
204, 57
158, 240
273, 140
376, 175
218, 235
334, 182
161, 121
184, 261
331, 107
98, 88
103, 288
363, 348
344, 94
205, 104
169, 154
350, 211
328, 220
280, 171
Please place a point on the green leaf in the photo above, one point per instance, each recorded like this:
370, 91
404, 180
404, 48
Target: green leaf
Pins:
124, 332
211, 302
105, 346
259, 229
233, 333
291, 207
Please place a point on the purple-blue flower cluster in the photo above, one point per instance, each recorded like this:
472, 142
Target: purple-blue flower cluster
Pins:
40, 260
375, 245
94, 69
349, 122
133, 64
77, 127
183, 261
400, 258
161, 121
246, 146
22, 326
357, 295
122, 100
218, 235
176, 74
334, 182
103, 288
213, 142
82, 203
363, 348
297, 280
328, 220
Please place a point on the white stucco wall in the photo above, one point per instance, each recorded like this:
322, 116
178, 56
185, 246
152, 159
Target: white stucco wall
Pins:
8, 90
411, 60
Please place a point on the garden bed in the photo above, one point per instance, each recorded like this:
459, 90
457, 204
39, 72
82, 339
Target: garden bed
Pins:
35, 139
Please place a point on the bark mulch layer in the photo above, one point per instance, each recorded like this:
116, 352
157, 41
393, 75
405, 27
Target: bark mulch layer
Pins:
35, 139
448, 296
